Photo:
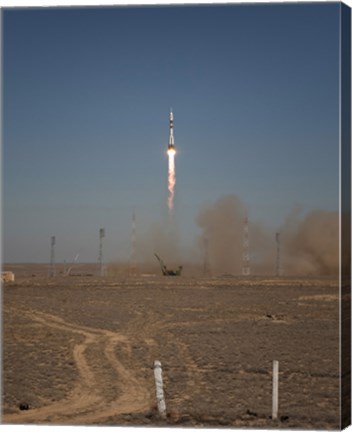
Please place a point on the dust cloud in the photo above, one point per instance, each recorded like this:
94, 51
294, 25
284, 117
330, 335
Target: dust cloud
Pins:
308, 244
163, 239
222, 234
311, 244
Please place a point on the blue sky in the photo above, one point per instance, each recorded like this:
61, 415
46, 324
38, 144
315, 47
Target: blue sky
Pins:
86, 99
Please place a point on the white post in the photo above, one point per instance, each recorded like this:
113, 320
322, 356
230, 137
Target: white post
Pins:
275, 389
159, 389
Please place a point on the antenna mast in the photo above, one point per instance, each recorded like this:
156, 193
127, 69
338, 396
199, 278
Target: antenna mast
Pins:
278, 255
52, 271
246, 270
133, 257
206, 267
100, 259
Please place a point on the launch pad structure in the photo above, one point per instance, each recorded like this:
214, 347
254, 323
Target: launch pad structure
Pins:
168, 272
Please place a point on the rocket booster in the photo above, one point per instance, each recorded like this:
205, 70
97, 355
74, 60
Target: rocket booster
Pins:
171, 145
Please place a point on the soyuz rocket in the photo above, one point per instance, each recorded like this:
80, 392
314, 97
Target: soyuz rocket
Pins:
171, 145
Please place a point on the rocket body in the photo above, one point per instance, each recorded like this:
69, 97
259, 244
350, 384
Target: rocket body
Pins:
171, 145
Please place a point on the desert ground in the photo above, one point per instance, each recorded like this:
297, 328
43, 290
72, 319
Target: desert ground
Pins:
80, 350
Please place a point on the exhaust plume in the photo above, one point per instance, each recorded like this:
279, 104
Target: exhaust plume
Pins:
171, 179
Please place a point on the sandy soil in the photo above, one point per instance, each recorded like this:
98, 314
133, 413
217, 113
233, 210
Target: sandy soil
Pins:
80, 350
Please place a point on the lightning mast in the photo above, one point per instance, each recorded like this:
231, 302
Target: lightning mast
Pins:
206, 267
52, 271
100, 258
133, 257
246, 270
278, 255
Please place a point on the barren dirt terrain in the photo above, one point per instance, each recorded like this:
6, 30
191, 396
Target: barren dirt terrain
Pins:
80, 350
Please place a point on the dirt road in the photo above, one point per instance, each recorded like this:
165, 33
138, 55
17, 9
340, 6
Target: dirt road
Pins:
86, 403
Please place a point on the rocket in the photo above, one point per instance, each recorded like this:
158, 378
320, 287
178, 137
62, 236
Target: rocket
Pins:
171, 145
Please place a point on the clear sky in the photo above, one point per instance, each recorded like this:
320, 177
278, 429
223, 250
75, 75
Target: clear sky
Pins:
86, 100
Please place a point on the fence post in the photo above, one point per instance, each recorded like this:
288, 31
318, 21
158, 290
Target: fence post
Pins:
275, 389
159, 389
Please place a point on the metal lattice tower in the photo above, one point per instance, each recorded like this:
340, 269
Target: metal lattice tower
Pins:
206, 267
52, 271
246, 270
133, 257
100, 259
278, 255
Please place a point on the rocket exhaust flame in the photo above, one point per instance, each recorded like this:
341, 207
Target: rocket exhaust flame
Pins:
171, 178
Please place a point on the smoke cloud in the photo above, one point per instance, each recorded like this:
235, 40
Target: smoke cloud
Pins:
222, 237
160, 238
311, 244
308, 245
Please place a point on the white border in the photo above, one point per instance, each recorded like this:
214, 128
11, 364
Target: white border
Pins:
53, 3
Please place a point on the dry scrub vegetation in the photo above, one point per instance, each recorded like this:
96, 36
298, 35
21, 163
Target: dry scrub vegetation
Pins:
80, 350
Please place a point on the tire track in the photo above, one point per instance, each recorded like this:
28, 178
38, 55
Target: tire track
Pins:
172, 343
86, 403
